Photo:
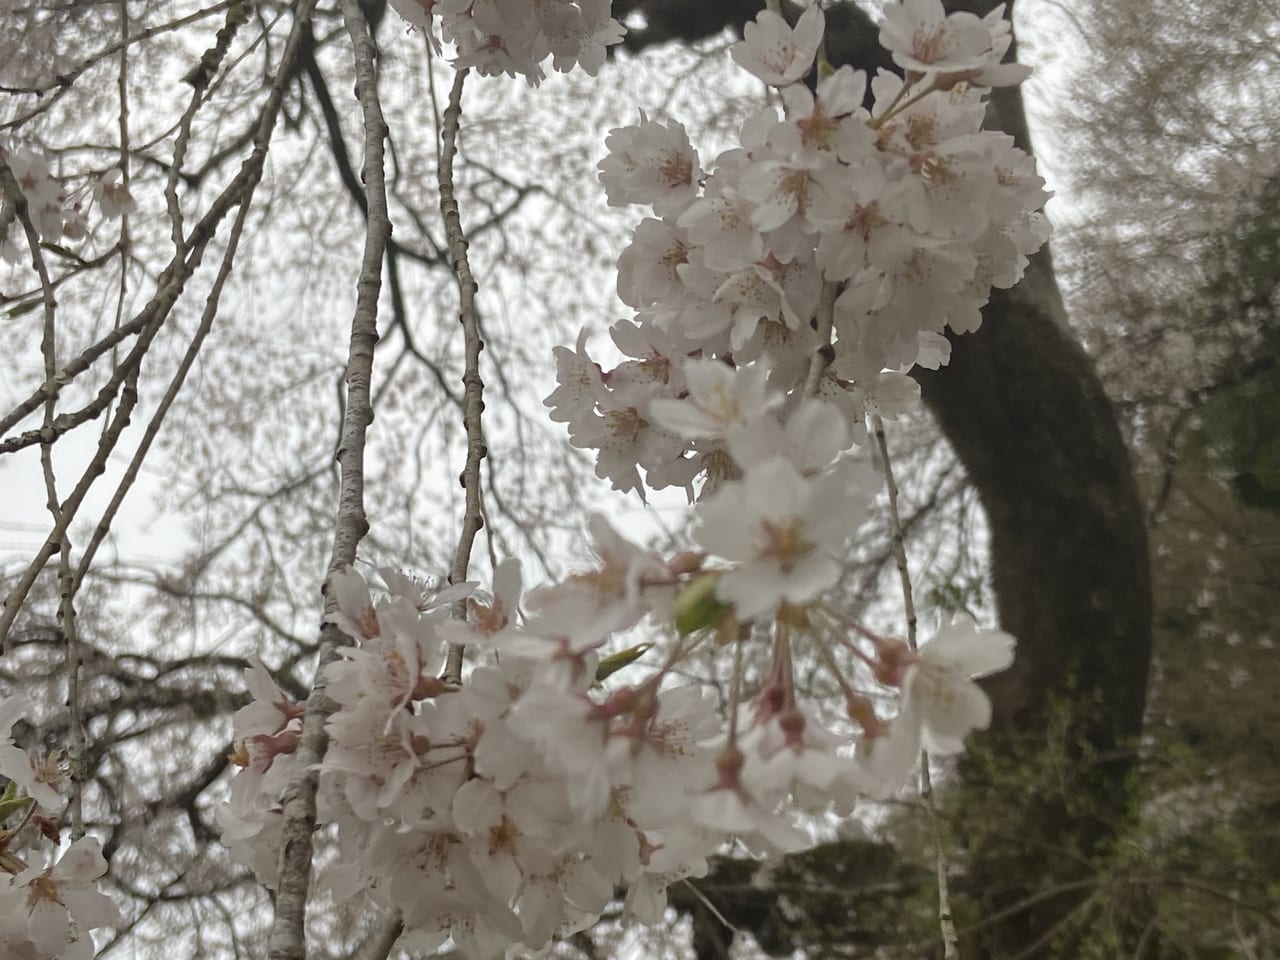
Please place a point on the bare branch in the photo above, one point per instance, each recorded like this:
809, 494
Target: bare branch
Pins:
169, 288
473, 395
288, 934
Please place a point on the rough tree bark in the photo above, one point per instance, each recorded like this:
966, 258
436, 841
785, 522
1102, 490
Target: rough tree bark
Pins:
1029, 419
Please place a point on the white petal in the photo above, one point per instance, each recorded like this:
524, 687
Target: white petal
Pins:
90, 908
970, 652
951, 709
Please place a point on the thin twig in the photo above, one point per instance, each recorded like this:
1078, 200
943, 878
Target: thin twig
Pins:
473, 385
66, 590
946, 922
122, 91
825, 353
66, 80
706, 902
75, 367
199, 78
288, 936
152, 316
176, 382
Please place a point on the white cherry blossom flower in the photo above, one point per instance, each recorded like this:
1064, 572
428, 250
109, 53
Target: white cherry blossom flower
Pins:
590, 605
269, 710
61, 904
922, 37
865, 229
891, 395
832, 121
579, 34
33, 774
720, 396
815, 433
652, 351
939, 687
941, 704
417, 12
491, 621
502, 17
647, 268
355, 614
785, 188
651, 163
719, 223
668, 856
664, 761
113, 196
731, 807
579, 378
570, 732
783, 530
774, 52
491, 54
792, 753
624, 438
934, 352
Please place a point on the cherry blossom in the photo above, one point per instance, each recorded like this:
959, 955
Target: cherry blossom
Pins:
651, 163
719, 397
502, 811
516, 36
580, 381
53, 213
50, 911
113, 196
33, 775
783, 529
590, 605
938, 686
923, 37
776, 53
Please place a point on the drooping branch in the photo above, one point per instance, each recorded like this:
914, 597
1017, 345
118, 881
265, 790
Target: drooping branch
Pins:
473, 385
287, 941
188, 255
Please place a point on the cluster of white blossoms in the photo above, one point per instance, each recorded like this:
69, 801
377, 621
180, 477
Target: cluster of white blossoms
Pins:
516, 37
48, 902
904, 217
781, 298
56, 210
509, 810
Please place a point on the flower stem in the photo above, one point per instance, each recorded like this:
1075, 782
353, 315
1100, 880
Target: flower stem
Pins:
950, 939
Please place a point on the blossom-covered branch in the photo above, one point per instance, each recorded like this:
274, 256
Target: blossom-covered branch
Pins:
782, 296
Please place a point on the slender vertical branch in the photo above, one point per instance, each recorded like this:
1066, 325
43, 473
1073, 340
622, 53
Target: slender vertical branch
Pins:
288, 935
899, 543
122, 90
946, 922
825, 354
473, 385
66, 599
66, 592
735, 693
